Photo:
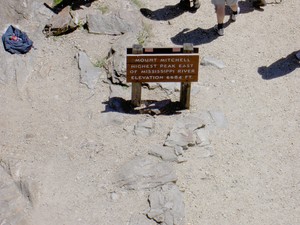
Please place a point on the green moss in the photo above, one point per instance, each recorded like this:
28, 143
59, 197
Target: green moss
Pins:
144, 34
103, 8
56, 2
137, 3
100, 63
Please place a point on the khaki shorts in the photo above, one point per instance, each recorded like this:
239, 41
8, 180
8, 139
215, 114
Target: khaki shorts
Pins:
223, 2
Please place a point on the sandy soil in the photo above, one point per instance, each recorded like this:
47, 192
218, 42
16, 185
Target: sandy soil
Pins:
56, 133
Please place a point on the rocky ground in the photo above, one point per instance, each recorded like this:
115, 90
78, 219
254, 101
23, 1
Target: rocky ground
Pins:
72, 153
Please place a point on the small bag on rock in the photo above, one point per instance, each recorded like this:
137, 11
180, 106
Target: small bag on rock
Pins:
16, 41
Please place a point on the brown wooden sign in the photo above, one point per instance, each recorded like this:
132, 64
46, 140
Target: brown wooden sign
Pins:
162, 65
154, 65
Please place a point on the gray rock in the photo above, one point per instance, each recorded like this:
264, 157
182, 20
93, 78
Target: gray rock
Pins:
119, 91
202, 137
153, 85
207, 60
116, 59
170, 87
107, 24
112, 118
178, 150
167, 206
219, 119
7, 74
194, 129
13, 205
15, 68
183, 132
205, 152
89, 74
27, 185
165, 153
61, 23
116, 63
23, 70
182, 138
140, 219
12, 12
145, 173
41, 13
212, 119
145, 127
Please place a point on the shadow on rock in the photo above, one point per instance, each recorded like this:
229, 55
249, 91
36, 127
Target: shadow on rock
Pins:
280, 68
75, 4
151, 107
167, 13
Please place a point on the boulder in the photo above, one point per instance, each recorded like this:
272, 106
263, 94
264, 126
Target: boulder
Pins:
167, 205
61, 23
145, 173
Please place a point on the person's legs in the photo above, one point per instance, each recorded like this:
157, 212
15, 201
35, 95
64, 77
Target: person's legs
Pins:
220, 11
234, 7
235, 10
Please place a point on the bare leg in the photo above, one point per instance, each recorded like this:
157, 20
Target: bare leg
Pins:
234, 7
220, 10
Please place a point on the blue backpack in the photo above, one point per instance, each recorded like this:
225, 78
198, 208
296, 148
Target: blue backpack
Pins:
16, 41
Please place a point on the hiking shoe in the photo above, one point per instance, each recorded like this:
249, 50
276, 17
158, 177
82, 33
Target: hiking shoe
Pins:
196, 4
220, 32
233, 16
195, 7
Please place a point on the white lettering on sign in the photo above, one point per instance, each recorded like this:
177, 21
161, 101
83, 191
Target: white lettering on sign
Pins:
176, 77
186, 65
143, 66
174, 60
146, 60
147, 77
167, 66
157, 71
162, 68
186, 71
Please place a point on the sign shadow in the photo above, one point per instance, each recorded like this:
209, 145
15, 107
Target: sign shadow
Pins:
280, 68
151, 107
